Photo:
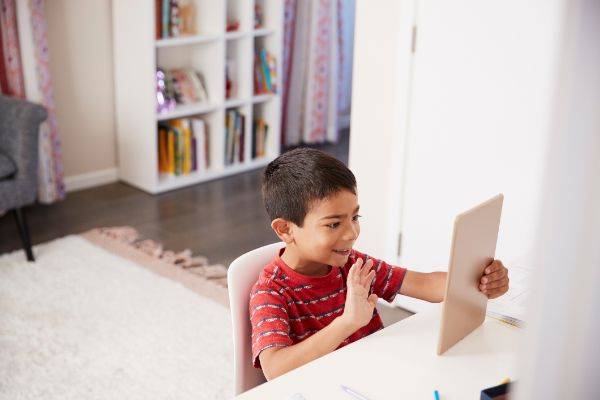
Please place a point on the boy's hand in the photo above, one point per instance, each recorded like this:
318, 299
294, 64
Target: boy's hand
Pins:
494, 282
359, 306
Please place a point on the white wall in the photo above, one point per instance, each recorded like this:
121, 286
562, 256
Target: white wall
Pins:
479, 122
380, 90
80, 43
468, 121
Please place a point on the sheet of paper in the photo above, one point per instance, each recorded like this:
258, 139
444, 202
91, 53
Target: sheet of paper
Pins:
513, 303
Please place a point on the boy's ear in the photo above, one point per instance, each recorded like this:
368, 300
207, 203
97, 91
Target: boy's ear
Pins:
283, 229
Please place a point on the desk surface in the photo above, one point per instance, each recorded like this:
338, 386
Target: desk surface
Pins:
400, 362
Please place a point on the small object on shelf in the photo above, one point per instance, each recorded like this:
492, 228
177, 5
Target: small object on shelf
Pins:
163, 102
230, 84
233, 25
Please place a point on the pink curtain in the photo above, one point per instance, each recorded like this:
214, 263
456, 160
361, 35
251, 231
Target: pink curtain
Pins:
313, 58
23, 27
13, 73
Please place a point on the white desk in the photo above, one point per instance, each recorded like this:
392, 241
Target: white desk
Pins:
400, 362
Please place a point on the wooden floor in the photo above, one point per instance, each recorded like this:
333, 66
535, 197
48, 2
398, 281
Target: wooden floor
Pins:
220, 219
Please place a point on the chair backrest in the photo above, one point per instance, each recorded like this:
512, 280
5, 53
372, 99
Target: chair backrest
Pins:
241, 275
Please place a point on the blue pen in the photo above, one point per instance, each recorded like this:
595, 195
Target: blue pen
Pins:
353, 393
436, 394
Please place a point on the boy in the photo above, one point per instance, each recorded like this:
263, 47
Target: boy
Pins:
319, 294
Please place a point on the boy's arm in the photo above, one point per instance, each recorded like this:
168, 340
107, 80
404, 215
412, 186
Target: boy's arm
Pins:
277, 360
432, 286
358, 311
425, 286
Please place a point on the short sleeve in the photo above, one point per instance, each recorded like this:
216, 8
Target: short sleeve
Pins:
269, 320
388, 279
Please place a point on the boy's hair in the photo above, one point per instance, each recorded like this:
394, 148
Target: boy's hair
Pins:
298, 178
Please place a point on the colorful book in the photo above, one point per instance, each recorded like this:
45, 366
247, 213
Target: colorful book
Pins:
265, 70
166, 7
171, 151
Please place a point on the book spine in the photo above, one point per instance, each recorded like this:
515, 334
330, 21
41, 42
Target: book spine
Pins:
166, 7
272, 71
265, 70
243, 138
163, 150
236, 141
227, 136
258, 81
171, 136
158, 18
178, 151
187, 153
174, 18
194, 145
206, 129
253, 145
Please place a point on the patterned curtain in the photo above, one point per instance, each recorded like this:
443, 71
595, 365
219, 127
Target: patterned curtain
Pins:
313, 58
25, 73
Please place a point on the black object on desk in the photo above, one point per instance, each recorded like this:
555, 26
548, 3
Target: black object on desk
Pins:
499, 392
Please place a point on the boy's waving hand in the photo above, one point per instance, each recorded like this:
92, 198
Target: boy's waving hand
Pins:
358, 309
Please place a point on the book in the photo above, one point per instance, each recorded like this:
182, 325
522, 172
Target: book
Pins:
174, 18
171, 151
265, 72
187, 146
194, 145
272, 64
199, 127
158, 18
242, 138
259, 138
163, 161
206, 152
178, 150
166, 17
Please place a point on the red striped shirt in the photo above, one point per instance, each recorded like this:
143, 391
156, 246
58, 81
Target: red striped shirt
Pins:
287, 307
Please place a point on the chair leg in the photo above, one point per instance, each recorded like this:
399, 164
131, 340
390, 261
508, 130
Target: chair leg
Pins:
23, 232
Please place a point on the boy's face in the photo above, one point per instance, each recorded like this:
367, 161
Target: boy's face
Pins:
329, 231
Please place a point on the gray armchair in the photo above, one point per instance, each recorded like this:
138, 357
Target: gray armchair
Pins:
19, 128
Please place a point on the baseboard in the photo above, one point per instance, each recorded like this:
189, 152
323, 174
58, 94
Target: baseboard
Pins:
90, 179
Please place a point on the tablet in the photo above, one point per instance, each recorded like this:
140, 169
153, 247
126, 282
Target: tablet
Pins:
473, 248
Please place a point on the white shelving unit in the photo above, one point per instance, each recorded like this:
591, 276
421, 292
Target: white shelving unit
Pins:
137, 55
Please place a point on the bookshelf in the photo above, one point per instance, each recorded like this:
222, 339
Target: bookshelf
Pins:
137, 55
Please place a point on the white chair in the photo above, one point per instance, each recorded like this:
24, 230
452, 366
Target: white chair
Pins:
242, 274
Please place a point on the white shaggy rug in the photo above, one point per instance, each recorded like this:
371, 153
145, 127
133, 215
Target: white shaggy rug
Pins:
82, 323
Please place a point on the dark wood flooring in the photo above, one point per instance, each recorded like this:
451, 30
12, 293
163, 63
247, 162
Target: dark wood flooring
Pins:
220, 219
